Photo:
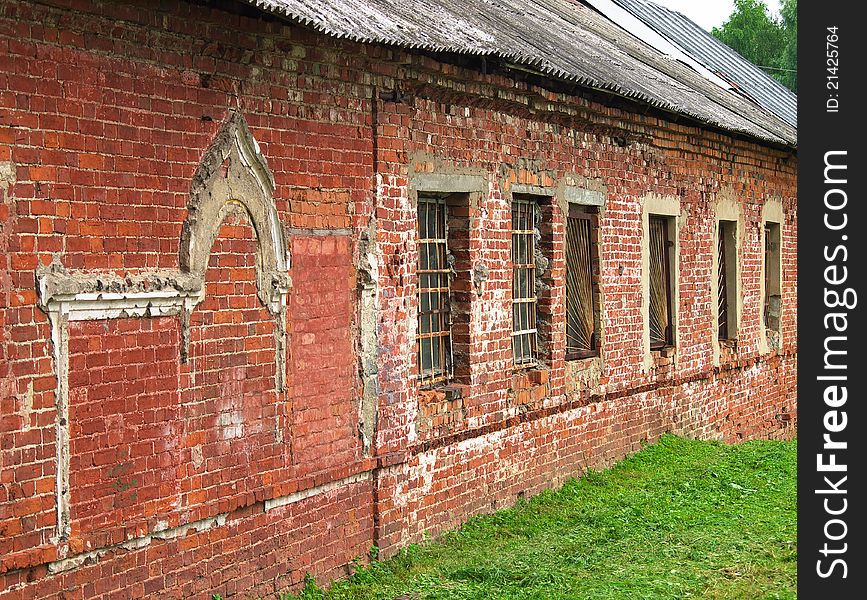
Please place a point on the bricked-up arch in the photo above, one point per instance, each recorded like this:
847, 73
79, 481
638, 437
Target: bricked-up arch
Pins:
232, 176
234, 171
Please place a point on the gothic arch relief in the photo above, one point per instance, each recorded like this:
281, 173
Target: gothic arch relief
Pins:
233, 175
233, 171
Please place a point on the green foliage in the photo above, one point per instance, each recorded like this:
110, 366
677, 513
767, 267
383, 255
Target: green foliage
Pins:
311, 590
681, 519
789, 61
764, 40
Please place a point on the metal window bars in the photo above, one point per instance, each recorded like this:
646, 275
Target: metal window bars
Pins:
523, 282
660, 284
767, 265
580, 303
722, 284
772, 276
434, 345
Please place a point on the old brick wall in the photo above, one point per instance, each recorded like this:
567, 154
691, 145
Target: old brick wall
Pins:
191, 477
508, 432
199, 464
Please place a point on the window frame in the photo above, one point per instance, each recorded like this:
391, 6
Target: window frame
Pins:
590, 214
443, 373
772, 271
727, 282
530, 300
774, 214
668, 223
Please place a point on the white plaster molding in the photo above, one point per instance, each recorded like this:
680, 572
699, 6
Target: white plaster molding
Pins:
91, 306
81, 296
162, 532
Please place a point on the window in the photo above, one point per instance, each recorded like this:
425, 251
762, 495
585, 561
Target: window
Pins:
582, 316
727, 287
773, 293
434, 272
659, 306
524, 281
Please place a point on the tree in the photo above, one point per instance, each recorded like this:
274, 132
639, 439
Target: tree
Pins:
763, 40
789, 61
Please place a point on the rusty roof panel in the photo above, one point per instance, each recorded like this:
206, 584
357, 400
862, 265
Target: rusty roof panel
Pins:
563, 39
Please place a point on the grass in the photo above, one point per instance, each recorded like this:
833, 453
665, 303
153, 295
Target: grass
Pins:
681, 519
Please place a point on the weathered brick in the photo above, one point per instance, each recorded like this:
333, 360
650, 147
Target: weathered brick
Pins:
112, 110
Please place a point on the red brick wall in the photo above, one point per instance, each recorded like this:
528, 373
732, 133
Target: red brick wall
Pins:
200, 477
259, 554
450, 477
234, 421
323, 433
126, 426
104, 117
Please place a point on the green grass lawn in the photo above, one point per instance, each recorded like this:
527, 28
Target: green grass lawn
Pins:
681, 519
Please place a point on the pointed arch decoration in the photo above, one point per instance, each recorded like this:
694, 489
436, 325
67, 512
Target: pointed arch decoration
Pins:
233, 173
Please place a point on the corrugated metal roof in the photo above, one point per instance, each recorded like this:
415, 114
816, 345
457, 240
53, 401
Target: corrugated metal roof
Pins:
717, 58
559, 38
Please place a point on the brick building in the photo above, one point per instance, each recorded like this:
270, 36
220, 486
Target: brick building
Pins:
285, 280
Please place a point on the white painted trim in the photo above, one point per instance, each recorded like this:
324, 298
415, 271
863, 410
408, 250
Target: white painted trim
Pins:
89, 306
162, 532
317, 490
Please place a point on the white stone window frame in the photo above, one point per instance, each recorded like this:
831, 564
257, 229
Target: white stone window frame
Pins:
662, 206
772, 212
727, 209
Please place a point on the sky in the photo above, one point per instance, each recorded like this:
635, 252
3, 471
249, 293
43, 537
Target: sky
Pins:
710, 13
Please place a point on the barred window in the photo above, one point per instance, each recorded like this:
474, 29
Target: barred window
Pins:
726, 280
581, 302
773, 282
434, 323
659, 305
523, 282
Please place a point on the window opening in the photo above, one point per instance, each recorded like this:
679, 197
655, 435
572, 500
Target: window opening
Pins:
524, 282
434, 319
581, 309
661, 329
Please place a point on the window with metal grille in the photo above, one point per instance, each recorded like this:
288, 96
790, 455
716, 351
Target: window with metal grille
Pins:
773, 281
524, 282
581, 303
726, 280
659, 305
434, 322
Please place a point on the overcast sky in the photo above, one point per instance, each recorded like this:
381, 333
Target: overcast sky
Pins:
710, 13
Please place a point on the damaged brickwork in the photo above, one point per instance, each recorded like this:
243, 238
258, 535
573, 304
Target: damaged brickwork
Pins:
208, 364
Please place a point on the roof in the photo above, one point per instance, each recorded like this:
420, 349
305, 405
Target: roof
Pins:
561, 39
717, 58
